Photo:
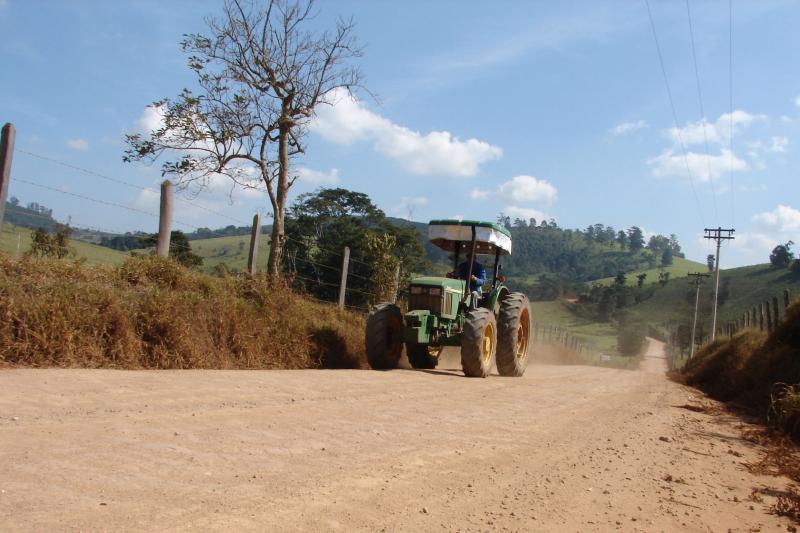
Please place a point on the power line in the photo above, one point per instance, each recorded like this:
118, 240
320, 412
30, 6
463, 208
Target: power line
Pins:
702, 113
674, 113
696, 281
97, 200
126, 184
716, 234
730, 93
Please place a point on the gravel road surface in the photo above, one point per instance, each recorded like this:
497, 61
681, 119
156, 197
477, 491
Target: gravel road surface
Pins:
565, 448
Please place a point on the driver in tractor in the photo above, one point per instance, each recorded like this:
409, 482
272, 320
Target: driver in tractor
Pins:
477, 279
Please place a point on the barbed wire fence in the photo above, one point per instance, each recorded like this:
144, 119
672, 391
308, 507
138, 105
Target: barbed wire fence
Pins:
358, 298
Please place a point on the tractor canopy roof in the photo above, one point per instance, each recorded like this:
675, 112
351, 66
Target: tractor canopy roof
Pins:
489, 237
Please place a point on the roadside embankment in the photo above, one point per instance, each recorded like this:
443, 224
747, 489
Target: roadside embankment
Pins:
151, 312
756, 371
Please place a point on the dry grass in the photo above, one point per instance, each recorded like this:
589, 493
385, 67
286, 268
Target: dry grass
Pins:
780, 457
152, 313
746, 369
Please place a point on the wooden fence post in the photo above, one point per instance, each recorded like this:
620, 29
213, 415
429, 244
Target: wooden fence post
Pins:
785, 300
165, 220
755, 318
252, 258
343, 281
769, 316
761, 317
776, 316
7, 137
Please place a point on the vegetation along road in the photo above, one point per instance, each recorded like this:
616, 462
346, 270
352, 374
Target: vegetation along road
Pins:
565, 448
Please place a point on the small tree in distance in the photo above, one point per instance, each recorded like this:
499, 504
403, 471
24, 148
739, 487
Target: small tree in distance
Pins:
782, 255
261, 74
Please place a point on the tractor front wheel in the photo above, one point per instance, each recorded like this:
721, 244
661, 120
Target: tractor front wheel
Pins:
514, 334
384, 337
478, 343
423, 356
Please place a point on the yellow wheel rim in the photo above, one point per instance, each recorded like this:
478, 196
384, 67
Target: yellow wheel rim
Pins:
488, 343
523, 334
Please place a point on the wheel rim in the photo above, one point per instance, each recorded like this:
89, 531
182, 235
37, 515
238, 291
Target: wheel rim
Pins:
488, 343
523, 334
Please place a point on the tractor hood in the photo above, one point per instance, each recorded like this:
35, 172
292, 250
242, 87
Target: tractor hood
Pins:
433, 281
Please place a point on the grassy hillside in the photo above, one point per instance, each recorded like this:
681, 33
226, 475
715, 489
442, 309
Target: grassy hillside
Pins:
232, 251
678, 269
597, 337
746, 287
91, 253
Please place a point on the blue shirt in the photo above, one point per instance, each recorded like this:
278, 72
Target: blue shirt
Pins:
477, 270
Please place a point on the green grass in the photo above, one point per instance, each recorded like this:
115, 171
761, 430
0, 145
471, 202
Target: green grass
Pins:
232, 251
678, 269
597, 337
91, 253
748, 286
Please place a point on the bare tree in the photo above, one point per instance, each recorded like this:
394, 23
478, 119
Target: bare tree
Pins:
261, 74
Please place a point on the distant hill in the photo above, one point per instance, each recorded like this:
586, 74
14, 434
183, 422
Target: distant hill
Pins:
93, 254
740, 290
678, 269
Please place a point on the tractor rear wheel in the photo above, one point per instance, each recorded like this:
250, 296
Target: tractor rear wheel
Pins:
384, 337
423, 356
478, 343
513, 335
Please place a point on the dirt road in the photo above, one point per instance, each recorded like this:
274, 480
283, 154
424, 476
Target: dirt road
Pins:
566, 448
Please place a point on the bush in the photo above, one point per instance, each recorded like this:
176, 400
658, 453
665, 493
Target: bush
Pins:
631, 340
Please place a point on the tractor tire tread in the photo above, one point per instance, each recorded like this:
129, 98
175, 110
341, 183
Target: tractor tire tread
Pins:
381, 355
472, 362
508, 323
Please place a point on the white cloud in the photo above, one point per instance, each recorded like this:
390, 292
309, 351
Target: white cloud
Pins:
528, 189
346, 121
457, 217
478, 194
78, 144
525, 213
782, 219
769, 229
779, 145
627, 127
716, 132
703, 167
318, 177
797, 100
152, 119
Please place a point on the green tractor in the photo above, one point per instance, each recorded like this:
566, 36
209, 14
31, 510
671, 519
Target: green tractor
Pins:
488, 322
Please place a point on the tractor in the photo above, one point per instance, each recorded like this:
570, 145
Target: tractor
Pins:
487, 322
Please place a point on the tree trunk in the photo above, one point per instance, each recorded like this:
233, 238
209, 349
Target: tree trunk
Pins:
278, 234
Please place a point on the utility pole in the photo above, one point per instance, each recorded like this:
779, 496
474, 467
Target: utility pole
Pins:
717, 235
697, 279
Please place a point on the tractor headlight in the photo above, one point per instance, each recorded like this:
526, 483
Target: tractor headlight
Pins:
416, 290
435, 291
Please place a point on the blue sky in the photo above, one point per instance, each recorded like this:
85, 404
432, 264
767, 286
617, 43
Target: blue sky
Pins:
534, 109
